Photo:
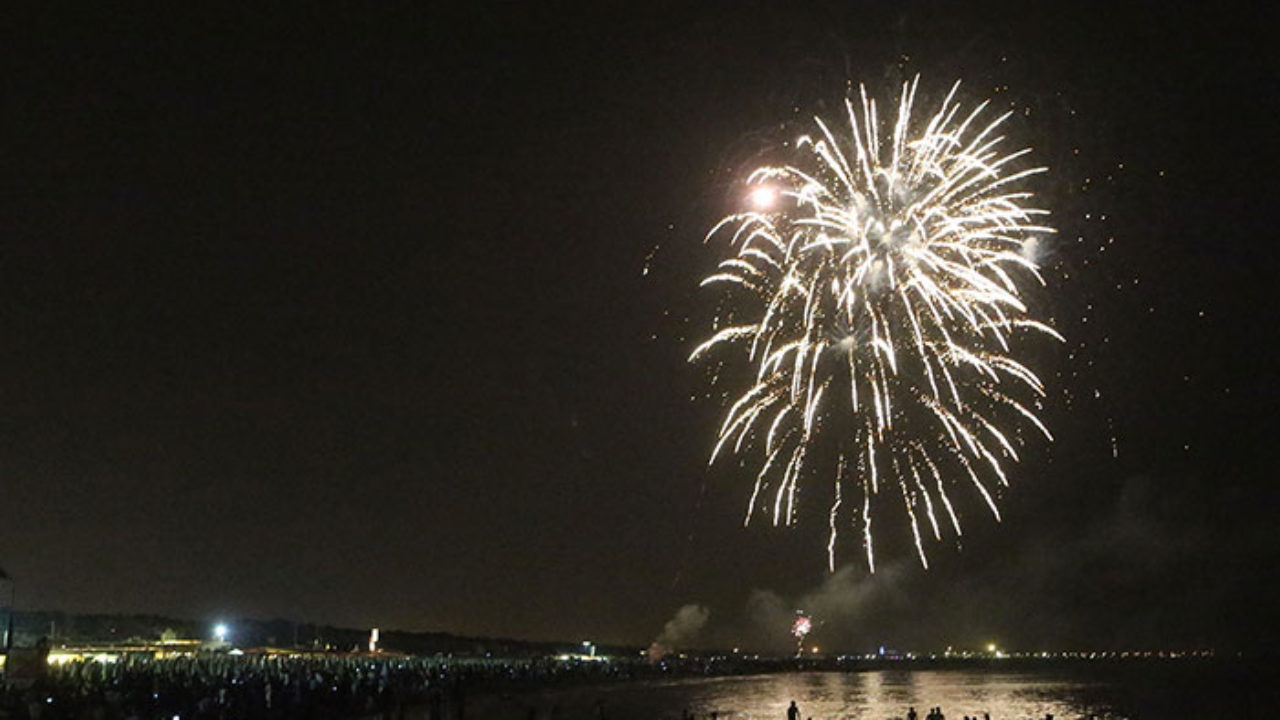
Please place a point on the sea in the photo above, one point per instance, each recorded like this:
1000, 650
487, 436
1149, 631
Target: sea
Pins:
1172, 689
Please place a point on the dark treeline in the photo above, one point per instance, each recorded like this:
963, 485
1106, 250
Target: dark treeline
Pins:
62, 628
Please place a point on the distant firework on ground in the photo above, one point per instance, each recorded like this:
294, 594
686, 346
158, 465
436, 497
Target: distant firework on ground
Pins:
876, 289
800, 630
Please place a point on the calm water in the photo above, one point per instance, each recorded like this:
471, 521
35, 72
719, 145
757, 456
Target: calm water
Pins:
1189, 691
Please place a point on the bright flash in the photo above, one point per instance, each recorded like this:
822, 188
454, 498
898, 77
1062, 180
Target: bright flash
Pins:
763, 197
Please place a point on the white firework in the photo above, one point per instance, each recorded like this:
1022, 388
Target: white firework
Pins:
877, 294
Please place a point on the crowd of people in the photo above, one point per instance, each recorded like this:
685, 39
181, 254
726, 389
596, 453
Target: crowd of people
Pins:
316, 687
223, 687
935, 713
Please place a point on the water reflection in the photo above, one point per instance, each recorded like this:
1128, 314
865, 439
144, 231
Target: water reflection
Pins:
878, 695
832, 696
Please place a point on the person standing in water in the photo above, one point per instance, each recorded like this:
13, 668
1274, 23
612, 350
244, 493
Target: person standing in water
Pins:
793, 712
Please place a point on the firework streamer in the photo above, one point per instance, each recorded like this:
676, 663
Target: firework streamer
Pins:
876, 290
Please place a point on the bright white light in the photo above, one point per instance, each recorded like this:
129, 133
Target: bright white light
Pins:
763, 197
220, 631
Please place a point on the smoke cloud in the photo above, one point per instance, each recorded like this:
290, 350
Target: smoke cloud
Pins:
681, 629
843, 600
1137, 568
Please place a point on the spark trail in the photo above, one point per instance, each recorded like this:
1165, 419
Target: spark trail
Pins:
876, 289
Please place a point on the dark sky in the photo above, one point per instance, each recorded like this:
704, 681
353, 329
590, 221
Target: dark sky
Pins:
379, 317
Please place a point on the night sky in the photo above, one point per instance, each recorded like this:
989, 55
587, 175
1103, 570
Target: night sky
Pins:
380, 317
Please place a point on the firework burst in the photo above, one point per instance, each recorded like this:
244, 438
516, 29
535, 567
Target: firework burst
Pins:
877, 292
801, 627
800, 630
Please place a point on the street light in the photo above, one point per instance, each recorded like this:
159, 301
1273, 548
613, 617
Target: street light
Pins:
220, 632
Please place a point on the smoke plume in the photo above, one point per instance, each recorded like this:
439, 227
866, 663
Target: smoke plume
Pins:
681, 629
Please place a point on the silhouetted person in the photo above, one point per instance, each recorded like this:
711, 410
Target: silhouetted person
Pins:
911, 713
793, 712
435, 704
459, 701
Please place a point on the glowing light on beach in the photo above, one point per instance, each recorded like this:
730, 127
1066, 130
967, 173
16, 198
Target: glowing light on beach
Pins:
882, 314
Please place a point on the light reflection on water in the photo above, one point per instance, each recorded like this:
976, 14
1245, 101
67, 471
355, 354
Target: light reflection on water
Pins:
876, 695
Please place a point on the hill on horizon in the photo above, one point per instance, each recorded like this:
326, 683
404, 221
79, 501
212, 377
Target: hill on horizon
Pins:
64, 628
